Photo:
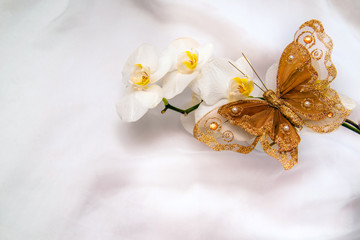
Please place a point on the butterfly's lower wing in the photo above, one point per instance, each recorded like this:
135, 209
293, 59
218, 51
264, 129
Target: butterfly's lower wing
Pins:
286, 136
287, 158
321, 110
284, 146
219, 134
254, 118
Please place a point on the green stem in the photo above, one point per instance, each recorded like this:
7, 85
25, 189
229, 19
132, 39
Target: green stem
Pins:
182, 111
257, 97
352, 128
352, 123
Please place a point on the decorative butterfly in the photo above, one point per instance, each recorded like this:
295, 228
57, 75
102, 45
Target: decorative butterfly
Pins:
302, 97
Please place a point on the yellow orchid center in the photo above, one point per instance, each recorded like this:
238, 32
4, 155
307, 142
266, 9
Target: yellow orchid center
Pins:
140, 76
244, 85
187, 62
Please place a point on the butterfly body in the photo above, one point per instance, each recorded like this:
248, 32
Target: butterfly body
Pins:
302, 97
276, 102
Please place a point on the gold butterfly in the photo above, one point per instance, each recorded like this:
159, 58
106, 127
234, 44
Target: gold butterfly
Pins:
302, 97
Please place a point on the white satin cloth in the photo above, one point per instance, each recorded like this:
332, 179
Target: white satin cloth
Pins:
71, 170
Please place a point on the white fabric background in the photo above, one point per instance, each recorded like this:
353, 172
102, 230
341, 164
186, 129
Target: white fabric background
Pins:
69, 169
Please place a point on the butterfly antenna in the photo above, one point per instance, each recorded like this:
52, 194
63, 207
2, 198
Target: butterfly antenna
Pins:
245, 75
254, 71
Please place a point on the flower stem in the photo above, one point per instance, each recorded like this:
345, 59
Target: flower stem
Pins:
257, 97
352, 123
182, 111
351, 126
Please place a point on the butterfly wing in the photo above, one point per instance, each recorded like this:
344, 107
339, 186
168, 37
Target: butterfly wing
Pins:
219, 134
278, 136
287, 158
322, 111
254, 115
303, 78
295, 70
312, 36
296, 83
223, 129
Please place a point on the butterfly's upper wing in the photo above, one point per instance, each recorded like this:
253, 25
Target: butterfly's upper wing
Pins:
312, 36
298, 85
254, 115
296, 79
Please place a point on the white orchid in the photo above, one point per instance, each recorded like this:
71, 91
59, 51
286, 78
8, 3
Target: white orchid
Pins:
188, 58
221, 83
140, 73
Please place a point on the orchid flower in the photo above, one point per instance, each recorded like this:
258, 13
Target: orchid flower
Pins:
218, 84
188, 57
221, 83
140, 73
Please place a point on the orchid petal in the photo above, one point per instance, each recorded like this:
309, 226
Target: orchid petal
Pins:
188, 122
164, 66
347, 102
212, 85
183, 44
179, 46
204, 108
270, 77
175, 82
151, 97
244, 66
134, 104
205, 53
129, 108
